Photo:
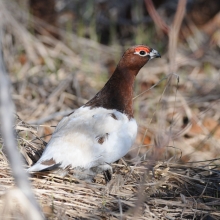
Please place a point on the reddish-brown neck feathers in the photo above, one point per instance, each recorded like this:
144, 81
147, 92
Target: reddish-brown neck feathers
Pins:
118, 91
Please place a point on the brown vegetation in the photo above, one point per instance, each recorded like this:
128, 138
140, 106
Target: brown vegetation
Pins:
172, 171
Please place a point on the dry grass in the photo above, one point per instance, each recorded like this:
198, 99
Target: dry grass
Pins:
142, 189
178, 123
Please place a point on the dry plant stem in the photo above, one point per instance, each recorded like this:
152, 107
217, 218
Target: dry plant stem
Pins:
150, 88
173, 34
7, 122
50, 117
204, 140
140, 197
155, 16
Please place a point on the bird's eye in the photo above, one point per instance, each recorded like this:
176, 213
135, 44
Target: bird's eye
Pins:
142, 52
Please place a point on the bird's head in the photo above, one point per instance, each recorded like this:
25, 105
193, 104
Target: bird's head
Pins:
136, 57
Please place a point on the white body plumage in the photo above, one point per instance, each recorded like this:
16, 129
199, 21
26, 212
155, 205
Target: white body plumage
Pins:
89, 138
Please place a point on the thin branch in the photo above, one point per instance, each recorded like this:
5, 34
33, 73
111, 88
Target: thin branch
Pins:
50, 117
150, 87
7, 123
156, 17
173, 34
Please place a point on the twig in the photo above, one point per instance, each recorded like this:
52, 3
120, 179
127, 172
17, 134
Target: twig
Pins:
7, 122
155, 16
173, 34
150, 87
50, 117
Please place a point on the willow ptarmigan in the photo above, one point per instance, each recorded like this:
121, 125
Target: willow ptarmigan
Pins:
101, 131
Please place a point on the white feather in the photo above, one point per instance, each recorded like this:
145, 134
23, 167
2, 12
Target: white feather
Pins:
74, 142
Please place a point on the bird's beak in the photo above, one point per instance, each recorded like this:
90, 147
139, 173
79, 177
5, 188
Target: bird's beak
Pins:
154, 54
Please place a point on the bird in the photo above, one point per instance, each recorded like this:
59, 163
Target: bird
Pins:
101, 131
